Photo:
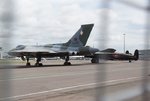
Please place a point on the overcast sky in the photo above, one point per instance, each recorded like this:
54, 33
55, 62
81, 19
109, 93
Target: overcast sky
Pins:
31, 22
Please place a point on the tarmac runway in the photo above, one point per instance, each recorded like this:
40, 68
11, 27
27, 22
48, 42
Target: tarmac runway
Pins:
82, 81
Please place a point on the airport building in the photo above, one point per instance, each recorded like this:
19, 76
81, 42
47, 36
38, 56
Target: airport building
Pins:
144, 54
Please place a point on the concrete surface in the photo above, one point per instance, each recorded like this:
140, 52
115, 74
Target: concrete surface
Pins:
82, 81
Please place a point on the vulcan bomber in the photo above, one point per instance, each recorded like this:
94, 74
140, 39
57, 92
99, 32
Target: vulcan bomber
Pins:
75, 46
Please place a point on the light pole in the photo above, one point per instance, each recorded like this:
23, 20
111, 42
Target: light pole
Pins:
124, 42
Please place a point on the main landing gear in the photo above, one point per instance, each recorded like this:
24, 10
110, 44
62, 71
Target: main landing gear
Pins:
38, 64
67, 61
95, 59
130, 61
28, 63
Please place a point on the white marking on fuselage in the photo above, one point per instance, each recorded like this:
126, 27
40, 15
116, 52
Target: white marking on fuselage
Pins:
81, 33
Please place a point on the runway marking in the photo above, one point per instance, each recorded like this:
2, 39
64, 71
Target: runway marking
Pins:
106, 83
69, 74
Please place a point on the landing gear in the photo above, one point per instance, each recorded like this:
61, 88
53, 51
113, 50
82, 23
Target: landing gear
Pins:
28, 63
66, 61
38, 56
129, 61
95, 59
38, 64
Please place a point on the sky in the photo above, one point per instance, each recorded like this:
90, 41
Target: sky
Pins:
32, 22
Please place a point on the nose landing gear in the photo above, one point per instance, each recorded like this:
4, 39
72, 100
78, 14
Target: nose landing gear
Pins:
95, 59
67, 61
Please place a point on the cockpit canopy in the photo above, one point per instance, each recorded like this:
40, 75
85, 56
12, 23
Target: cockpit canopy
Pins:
20, 47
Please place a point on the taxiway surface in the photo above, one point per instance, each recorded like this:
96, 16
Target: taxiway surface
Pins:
54, 81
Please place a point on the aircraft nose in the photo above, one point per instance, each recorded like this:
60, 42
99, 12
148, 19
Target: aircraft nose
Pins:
10, 52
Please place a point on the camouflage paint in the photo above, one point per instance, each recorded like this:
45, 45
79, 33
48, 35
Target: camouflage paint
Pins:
81, 36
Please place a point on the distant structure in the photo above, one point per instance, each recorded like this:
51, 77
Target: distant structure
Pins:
144, 54
1, 54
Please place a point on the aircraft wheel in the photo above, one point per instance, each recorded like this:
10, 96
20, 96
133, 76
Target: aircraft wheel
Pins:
129, 61
92, 61
28, 64
38, 64
67, 63
95, 60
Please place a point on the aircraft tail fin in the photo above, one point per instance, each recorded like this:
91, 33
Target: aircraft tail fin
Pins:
136, 54
81, 36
